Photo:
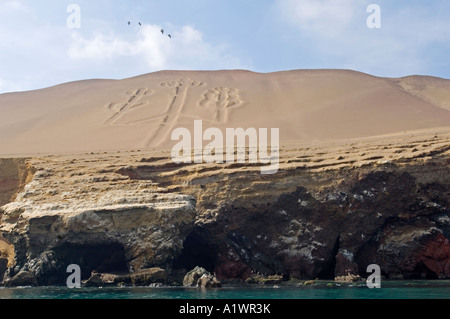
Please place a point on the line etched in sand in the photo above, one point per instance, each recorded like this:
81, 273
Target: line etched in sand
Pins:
222, 99
174, 109
133, 100
308, 106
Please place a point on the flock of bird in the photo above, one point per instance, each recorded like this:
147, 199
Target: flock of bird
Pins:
162, 30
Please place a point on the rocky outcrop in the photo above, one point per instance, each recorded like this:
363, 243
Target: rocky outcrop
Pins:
320, 216
148, 276
208, 281
374, 215
347, 278
22, 279
106, 238
264, 280
145, 277
118, 226
200, 277
326, 221
192, 277
15, 173
3, 267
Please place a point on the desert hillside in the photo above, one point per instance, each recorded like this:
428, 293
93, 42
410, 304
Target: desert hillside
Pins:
87, 177
141, 112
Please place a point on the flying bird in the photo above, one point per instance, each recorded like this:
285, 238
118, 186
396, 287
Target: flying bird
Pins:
129, 23
170, 36
140, 23
162, 31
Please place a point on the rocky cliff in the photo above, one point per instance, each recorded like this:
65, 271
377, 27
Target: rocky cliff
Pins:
331, 210
69, 214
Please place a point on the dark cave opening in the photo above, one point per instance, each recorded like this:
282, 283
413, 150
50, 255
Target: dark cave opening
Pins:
421, 271
328, 271
106, 257
196, 252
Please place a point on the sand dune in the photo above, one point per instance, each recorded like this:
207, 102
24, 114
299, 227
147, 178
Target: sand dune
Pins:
141, 112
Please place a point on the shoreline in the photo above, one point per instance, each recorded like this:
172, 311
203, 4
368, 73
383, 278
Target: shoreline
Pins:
175, 295
296, 283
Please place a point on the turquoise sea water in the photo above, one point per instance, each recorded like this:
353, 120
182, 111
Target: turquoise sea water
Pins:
323, 290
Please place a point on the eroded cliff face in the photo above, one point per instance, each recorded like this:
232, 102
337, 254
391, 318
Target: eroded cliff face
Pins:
363, 216
15, 173
320, 216
101, 223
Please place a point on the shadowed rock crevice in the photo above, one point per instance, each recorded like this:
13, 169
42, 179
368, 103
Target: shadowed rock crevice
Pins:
50, 267
15, 173
421, 271
328, 271
197, 251
107, 257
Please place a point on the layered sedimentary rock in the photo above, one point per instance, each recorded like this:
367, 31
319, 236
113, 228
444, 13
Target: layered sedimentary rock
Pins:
371, 216
329, 211
99, 223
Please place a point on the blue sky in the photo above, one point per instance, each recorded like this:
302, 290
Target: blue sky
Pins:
38, 49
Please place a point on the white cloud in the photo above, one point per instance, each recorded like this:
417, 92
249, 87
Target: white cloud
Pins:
36, 55
324, 17
13, 5
98, 47
186, 49
336, 31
